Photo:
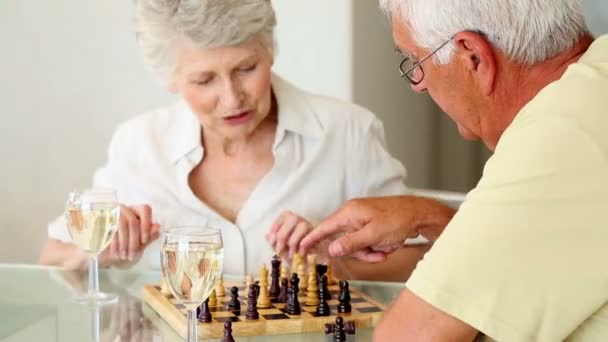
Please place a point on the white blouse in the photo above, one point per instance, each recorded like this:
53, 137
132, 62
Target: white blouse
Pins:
325, 152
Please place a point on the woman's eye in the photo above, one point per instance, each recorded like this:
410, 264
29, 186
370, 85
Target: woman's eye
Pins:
248, 67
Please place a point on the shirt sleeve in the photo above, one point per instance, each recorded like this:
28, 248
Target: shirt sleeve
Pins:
524, 257
374, 171
111, 175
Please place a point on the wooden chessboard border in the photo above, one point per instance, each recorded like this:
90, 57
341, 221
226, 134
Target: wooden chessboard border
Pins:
163, 306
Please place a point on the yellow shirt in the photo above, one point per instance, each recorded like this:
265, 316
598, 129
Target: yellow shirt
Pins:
526, 257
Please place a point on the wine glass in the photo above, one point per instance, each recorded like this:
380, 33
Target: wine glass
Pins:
92, 218
191, 261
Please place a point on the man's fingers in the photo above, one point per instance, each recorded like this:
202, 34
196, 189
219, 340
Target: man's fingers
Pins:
355, 241
339, 221
126, 216
370, 256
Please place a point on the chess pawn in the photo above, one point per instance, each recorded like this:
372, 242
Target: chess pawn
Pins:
203, 313
282, 298
212, 299
227, 332
312, 297
234, 304
344, 298
219, 289
164, 289
302, 276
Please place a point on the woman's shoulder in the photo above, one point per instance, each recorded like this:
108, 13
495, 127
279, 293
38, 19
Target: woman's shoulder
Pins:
152, 124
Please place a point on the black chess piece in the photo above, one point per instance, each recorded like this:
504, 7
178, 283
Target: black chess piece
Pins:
321, 270
293, 304
323, 307
275, 290
234, 304
256, 285
202, 312
344, 298
252, 304
282, 297
227, 332
340, 329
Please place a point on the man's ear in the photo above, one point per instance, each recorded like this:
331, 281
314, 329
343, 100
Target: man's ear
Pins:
478, 57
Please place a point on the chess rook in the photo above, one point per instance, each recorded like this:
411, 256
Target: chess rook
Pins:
252, 310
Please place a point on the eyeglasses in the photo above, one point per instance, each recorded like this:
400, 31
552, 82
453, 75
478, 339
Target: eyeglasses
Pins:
412, 69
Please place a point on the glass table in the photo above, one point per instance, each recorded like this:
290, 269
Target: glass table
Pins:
36, 305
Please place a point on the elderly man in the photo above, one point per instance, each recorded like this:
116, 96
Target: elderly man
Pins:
524, 258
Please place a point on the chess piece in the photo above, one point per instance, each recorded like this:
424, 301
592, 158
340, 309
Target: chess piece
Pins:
284, 272
330, 277
293, 304
311, 261
275, 289
323, 307
302, 275
282, 298
252, 300
249, 281
340, 329
321, 270
219, 289
202, 312
164, 289
296, 261
264, 298
312, 297
227, 332
344, 298
212, 299
234, 304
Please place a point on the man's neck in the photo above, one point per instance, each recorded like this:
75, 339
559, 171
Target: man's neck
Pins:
524, 82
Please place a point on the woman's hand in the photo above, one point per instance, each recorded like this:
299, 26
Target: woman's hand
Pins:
135, 232
286, 233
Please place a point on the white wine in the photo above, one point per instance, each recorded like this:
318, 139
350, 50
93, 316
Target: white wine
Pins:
191, 270
92, 227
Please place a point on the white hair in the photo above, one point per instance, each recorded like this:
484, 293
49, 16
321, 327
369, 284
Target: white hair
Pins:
527, 31
160, 24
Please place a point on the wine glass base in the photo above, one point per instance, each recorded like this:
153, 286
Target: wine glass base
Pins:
99, 298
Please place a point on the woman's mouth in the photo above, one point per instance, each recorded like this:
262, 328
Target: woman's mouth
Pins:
238, 118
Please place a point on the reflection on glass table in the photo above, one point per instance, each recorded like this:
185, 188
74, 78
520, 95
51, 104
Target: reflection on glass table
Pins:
36, 305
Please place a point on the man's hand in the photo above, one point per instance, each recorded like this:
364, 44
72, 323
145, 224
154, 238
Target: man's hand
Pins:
135, 232
376, 227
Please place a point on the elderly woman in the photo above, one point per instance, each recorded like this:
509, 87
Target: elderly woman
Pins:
242, 147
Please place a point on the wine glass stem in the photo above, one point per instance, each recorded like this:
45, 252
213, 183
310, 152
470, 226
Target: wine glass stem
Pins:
192, 329
93, 275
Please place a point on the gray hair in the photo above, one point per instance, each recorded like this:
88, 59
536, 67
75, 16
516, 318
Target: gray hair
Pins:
159, 24
527, 31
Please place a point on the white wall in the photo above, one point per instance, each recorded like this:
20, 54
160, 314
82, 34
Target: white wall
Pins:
315, 45
70, 72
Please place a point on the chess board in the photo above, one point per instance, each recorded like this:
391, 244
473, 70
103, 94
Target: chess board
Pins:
366, 312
